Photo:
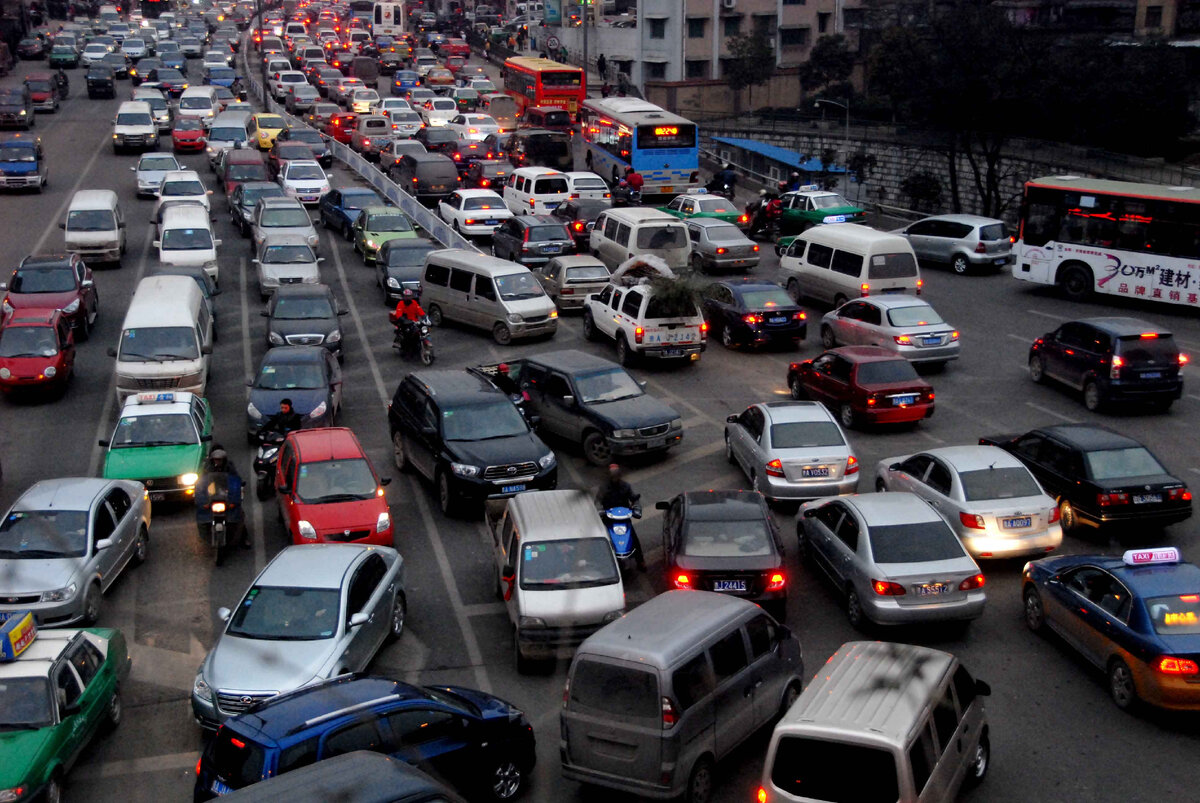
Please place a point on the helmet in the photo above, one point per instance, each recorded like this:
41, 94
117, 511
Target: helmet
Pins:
762, 193
408, 294
728, 166
795, 174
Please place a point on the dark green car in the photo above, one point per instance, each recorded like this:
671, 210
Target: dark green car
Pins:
162, 440
701, 204
807, 208
64, 56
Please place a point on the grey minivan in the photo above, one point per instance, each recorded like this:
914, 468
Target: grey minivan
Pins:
656, 698
965, 242
429, 177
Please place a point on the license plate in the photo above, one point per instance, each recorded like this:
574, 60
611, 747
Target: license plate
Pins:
491, 222
552, 206
668, 189
657, 443
931, 341
673, 352
437, 186
819, 471
157, 496
551, 249
1002, 261
834, 219
909, 399
931, 589
1141, 499
1018, 522
6, 615
729, 585
219, 788
512, 489
1152, 375
781, 319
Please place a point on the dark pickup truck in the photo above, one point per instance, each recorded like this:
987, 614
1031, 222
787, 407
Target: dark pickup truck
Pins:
16, 107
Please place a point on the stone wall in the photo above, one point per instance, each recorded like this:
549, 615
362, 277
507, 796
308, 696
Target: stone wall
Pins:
699, 99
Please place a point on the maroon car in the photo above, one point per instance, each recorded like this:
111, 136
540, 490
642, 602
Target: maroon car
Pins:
863, 384
55, 281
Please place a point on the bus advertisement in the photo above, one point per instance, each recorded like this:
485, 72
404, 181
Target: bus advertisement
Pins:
627, 132
1092, 236
388, 20
542, 82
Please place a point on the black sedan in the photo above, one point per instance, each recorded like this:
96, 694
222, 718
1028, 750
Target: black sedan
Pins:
725, 541
579, 215
101, 83
170, 81
304, 315
752, 313
399, 267
1100, 478
119, 62
308, 375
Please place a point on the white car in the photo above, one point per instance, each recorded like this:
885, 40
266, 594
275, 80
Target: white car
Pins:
340, 92
93, 53
587, 185
425, 64
134, 48
303, 180
160, 110
474, 127
182, 185
439, 111
217, 58
362, 100
405, 123
281, 82
151, 169
474, 212
388, 105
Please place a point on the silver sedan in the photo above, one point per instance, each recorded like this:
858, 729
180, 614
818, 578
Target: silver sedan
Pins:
987, 496
904, 324
893, 557
720, 245
791, 450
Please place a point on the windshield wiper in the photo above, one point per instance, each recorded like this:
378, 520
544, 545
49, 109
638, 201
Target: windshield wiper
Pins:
501, 435
176, 357
339, 498
133, 355
32, 553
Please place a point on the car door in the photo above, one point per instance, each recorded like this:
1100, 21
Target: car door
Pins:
371, 593
753, 458
837, 381
98, 686
1058, 352
920, 237
1070, 601
844, 561
424, 446
671, 531
448, 208
847, 323
331, 205
870, 327
770, 672
819, 528
733, 700
285, 483
937, 488
74, 726
909, 475
104, 527
817, 379
66, 346
504, 238
125, 534
333, 375
561, 408
437, 740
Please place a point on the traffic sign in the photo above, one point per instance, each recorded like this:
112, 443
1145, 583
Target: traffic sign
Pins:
552, 43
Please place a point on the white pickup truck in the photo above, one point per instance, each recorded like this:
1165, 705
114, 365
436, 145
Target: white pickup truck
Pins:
643, 325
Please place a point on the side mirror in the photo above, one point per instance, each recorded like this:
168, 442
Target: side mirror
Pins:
894, 467
112, 352
216, 243
64, 225
256, 261
662, 504
320, 259
206, 349
385, 480
983, 689
224, 614
133, 170
359, 619
156, 243
206, 438
121, 225
103, 443
84, 283
731, 419
103, 543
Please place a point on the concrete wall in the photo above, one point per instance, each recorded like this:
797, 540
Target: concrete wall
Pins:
707, 98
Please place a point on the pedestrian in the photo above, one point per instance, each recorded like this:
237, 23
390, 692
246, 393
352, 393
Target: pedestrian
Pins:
601, 65
605, 89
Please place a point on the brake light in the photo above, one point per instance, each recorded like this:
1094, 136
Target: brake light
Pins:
1110, 499
1054, 514
920, 284
1170, 665
720, 250
775, 581
531, 203
567, 291
238, 743
1148, 335
1183, 358
669, 715
756, 249
774, 468
752, 318
954, 335
799, 316
744, 219
577, 225
566, 692
484, 183
198, 765
865, 289
638, 334
980, 248
683, 581
1179, 495
762, 795
972, 520
851, 465
469, 222
886, 588
704, 330
902, 340
971, 583
1117, 364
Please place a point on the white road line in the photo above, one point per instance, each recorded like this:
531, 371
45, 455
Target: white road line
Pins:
485, 609
926, 435
1193, 396
1049, 315
250, 489
1023, 339
1054, 413
1196, 470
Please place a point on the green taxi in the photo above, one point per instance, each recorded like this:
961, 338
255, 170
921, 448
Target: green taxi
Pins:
63, 56
58, 688
161, 439
700, 204
375, 225
804, 209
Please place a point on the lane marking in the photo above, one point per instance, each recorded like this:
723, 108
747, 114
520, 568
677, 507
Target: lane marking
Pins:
251, 486
1017, 337
1054, 413
83, 175
1049, 315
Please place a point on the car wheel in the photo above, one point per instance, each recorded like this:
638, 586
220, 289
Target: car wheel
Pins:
827, 338
53, 793
399, 615
697, 264
839, 300
700, 782
729, 451
115, 709
589, 327
91, 604
435, 315
790, 695
1092, 398
505, 778
624, 353
1066, 516
501, 334
522, 663
445, 499
846, 415
142, 548
854, 611
1120, 684
727, 337
1077, 283
399, 453
1035, 614
980, 761
348, 233
960, 265
880, 486
596, 449
793, 289
1037, 369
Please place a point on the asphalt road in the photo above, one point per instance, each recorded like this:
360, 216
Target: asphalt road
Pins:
1055, 734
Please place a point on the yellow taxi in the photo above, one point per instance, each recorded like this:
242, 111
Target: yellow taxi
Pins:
263, 129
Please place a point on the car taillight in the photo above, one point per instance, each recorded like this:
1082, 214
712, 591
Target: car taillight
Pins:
198, 765
864, 289
1114, 371
567, 291
1054, 515
920, 284
971, 583
566, 692
577, 225
638, 334
756, 249
531, 203
1179, 495
669, 714
1110, 499
1183, 358
851, 465
720, 251
762, 795
980, 248
886, 588
775, 581
704, 330
799, 316
1170, 665
682, 581
485, 183
902, 340
752, 318
469, 222
972, 520
744, 219
774, 468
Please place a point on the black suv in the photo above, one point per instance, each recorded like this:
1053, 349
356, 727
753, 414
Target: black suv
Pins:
438, 139
531, 239
1099, 477
528, 147
1111, 360
101, 81
430, 177
465, 435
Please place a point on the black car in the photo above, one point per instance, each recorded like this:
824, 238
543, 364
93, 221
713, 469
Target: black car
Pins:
579, 215
531, 239
483, 174
399, 266
31, 48
101, 82
310, 137
438, 139
752, 313
1111, 360
1099, 477
467, 152
305, 315
594, 403
308, 375
119, 62
137, 73
725, 541
527, 147
362, 776
464, 434
170, 81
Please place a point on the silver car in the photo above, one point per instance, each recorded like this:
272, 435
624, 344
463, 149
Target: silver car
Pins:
791, 450
315, 611
65, 541
569, 280
965, 242
720, 245
281, 216
285, 259
986, 495
150, 170
907, 325
894, 559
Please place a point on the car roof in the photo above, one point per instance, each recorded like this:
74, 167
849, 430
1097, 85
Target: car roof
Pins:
1090, 437
973, 220
895, 301
733, 505
478, 193
711, 223
1119, 326
974, 457
327, 443
892, 508
244, 156
540, 515
787, 412
354, 190
861, 354
62, 493
38, 657
455, 386
280, 201
180, 175
313, 565
294, 354
37, 261
571, 360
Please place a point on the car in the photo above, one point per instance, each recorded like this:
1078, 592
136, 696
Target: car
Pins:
170, 81
489, 756
400, 265
377, 225
318, 117
473, 127
324, 78
219, 75
361, 101
159, 109
150, 169
313, 139
301, 98
93, 52
1112, 360
727, 542
244, 198
171, 55
568, 280
304, 315
464, 435
405, 123
466, 98
161, 439
1100, 478
101, 81
464, 152
810, 207
43, 91
60, 689
370, 133
752, 312
651, 325
67, 540
339, 208
215, 59
474, 212
235, 166
892, 558
119, 62
274, 216
1135, 618
718, 245
341, 91
907, 326
308, 375
63, 56
285, 151
864, 384
305, 181
266, 127
182, 185
314, 612
531, 239
530, 147
285, 259
31, 48
405, 80
341, 126
135, 49
965, 242
37, 351
418, 96
703, 205
191, 47
437, 140
137, 73
203, 280
58, 281
486, 173
393, 152
437, 112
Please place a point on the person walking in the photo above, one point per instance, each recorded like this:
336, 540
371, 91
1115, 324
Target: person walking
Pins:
562, 54
601, 65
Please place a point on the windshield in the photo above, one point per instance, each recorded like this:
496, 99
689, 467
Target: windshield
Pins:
37, 85
478, 422
828, 201
659, 237
288, 255
1119, 464
182, 187
389, 222
159, 343
290, 376
52, 280
987, 484
716, 206
330, 481
766, 299
406, 117
516, 286
606, 386
164, 429
731, 538
156, 104
302, 172
11, 153
247, 172
28, 341
158, 163
195, 102
286, 217
305, 135
592, 273
221, 73
806, 435
302, 309
233, 133
1177, 614
571, 563
914, 543
271, 122
25, 703
286, 614
187, 240
192, 124
90, 220
916, 315
44, 534
406, 255
252, 195
883, 372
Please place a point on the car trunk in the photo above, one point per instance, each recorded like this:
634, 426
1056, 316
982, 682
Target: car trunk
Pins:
929, 582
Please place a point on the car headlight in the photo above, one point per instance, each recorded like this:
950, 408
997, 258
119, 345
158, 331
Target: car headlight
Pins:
372, 244
383, 522
5, 373
270, 452
529, 622
200, 687
318, 411
253, 412
334, 337
514, 318
275, 339
49, 372
190, 478
312, 241
624, 433
306, 530
547, 460
613, 616
676, 423
464, 469
393, 283
60, 594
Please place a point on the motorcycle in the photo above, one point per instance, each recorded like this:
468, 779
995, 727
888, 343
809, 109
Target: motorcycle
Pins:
718, 187
626, 197
218, 529
264, 463
619, 523
414, 338
63, 85
765, 215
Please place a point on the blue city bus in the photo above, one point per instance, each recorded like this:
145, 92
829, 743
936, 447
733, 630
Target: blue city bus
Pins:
663, 147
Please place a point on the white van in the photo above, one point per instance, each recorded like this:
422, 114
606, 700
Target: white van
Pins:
881, 721
499, 296
536, 191
620, 234
186, 238
134, 126
200, 103
166, 338
95, 227
836, 262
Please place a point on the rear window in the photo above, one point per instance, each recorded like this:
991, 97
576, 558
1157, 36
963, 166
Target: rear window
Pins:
998, 483
835, 772
540, 233
236, 759
806, 435
596, 273
878, 373
659, 237
892, 266
615, 692
438, 171
1120, 464
1160, 348
1175, 614
556, 118
914, 543
548, 186
993, 231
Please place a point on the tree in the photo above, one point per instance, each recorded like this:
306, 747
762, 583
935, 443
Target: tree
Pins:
751, 63
830, 64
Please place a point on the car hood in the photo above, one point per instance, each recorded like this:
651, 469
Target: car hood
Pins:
34, 575
490, 707
251, 665
23, 751
531, 307
299, 231
572, 607
304, 400
19, 167
153, 176
381, 237
517, 449
44, 300
152, 461
287, 326
639, 411
355, 515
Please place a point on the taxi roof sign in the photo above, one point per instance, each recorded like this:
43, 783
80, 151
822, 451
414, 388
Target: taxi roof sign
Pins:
16, 634
1148, 557
159, 397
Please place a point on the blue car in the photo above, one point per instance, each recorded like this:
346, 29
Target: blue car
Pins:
1136, 617
220, 76
339, 207
403, 81
171, 56
479, 742
308, 375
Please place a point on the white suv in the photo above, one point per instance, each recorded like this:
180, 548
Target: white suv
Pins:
644, 325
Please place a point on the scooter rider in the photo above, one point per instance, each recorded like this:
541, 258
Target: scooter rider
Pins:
285, 421
61, 81
220, 472
405, 317
615, 492
726, 177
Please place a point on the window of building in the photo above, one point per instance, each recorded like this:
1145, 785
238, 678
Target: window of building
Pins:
794, 37
658, 29
793, 2
696, 68
823, 21
656, 70
697, 27
1154, 16
764, 25
732, 26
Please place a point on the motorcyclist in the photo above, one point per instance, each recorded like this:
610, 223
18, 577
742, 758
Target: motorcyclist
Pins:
218, 474
636, 182
285, 421
726, 177
621, 194
405, 317
60, 79
762, 210
794, 182
615, 492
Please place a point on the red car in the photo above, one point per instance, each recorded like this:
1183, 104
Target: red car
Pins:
37, 350
455, 47
863, 384
55, 282
188, 136
341, 126
455, 63
329, 491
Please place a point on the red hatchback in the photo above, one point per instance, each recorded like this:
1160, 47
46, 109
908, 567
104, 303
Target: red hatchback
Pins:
188, 136
37, 350
329, 491
863, 384
341, 126
55, 282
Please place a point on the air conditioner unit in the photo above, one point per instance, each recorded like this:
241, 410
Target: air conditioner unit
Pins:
728, 4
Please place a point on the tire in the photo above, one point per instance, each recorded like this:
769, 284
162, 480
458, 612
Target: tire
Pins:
839, 300
435, 315
92, 604
828, 340
596, 449
697, 264
1037, 369
445, 498
700, 782
1077, 283
790, 695
116, 710
505, 779
846, 415
1034, 611
960, 265
727, 338
399, 617
981, 761
53, 791
624, 353
1120, 685
793, 289
522, 664
729, 458
589, 327
797, 389
854, 611
1093, 399
1066, 516
880, 486
141, 549
501, 334
427, 355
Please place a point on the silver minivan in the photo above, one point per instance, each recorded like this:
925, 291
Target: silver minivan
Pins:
881, 721
499, 296
656, 698
621, 234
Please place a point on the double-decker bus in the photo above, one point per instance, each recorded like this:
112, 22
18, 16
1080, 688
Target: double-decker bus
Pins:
1112, 237
543, 82
663, 147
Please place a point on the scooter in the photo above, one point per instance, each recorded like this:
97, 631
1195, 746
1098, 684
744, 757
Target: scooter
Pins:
619, 523
406, 342
264, 463
219, 529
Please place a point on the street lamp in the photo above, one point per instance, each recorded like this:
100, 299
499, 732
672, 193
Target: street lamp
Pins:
817, 104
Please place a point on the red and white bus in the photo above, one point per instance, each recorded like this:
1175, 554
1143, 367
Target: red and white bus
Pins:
542, 82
